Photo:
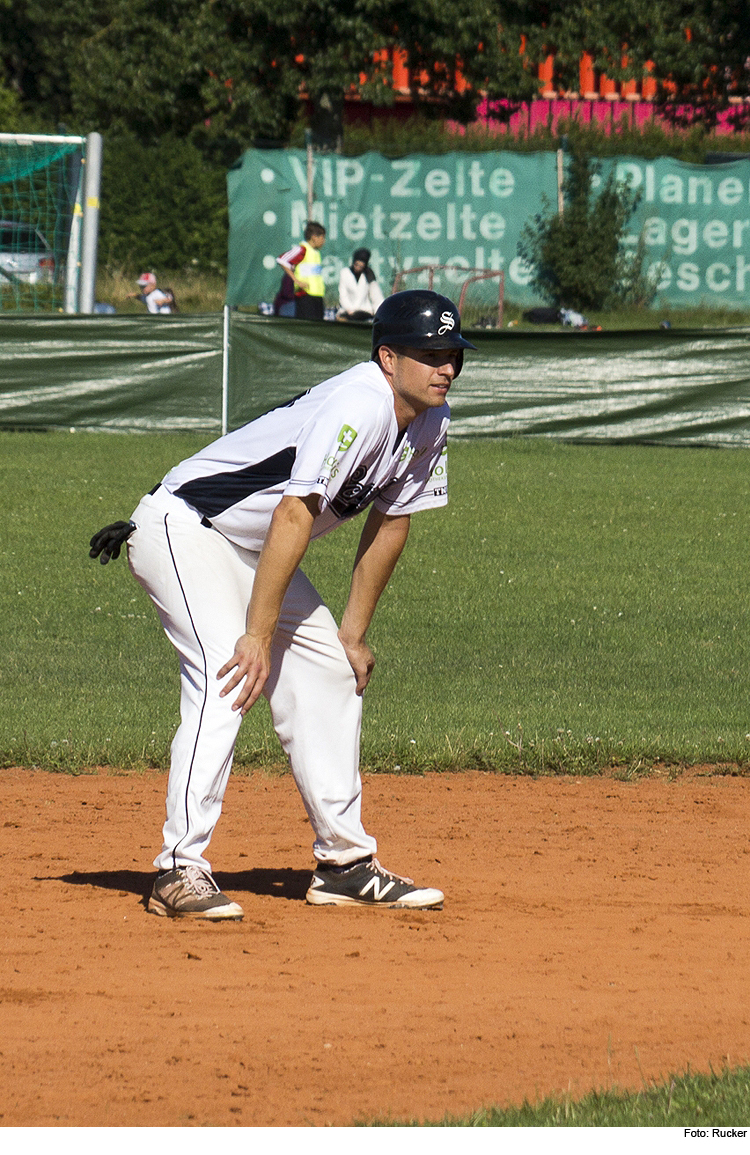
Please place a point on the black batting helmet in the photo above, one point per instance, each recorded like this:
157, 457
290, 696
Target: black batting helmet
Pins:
419, 319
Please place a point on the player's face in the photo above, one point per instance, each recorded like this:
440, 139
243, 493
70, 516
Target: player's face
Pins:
422, 377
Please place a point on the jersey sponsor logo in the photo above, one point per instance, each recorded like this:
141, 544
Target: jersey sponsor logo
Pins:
347, 437
447, 322
330, 467
331, 463
410, 452
354, 496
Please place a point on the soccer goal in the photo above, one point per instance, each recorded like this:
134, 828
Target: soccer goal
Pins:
480, 292
49, 213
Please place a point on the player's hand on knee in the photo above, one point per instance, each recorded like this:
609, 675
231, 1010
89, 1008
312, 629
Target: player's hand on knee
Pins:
251, 663
361, 660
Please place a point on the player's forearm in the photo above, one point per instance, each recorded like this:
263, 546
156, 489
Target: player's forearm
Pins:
382, 541
288, 538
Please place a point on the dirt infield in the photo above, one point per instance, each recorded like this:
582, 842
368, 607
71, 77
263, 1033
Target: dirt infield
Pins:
595, 934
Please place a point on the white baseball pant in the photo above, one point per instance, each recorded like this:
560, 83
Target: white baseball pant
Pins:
200, 584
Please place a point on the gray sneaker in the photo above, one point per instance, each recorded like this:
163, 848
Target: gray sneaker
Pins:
189, 892
369, 884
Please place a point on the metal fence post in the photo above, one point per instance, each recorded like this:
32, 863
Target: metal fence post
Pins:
225, 373
73, 262
92, 183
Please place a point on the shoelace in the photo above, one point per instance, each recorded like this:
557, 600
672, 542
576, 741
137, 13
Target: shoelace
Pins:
200, 882
389, 873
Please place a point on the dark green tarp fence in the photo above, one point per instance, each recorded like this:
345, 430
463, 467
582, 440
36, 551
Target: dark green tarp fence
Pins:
119, 373
688, 387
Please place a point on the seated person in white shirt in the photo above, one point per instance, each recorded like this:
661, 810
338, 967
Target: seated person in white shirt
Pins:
155, 300
359, 292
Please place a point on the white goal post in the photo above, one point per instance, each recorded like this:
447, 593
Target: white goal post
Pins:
49, 221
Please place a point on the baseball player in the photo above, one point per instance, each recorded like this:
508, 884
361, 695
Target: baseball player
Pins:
218, 544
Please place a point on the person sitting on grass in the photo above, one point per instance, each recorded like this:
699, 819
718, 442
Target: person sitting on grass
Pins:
156, 300
360, 295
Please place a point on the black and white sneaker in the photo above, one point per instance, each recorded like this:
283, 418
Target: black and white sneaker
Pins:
189, 892
368, 884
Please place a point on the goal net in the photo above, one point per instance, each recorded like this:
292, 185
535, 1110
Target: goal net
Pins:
40, 222
479, 293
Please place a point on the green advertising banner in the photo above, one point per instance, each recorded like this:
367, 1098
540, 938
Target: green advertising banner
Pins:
457, 209
695, 222
468, 211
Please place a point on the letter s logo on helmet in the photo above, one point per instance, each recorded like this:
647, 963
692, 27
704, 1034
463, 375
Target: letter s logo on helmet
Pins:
419, 319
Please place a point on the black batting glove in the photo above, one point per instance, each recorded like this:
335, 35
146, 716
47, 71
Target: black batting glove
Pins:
109, 541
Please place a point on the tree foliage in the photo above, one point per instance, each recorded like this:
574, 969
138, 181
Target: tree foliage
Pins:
698, 51
576, 255
703, 54
229, 71
161, 208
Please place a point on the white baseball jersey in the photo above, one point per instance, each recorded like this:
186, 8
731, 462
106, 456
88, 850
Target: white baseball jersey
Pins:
339, 440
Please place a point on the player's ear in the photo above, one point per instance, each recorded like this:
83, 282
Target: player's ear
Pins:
387, 358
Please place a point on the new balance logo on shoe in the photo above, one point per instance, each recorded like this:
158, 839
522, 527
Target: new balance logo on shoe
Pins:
378, 891
369, 884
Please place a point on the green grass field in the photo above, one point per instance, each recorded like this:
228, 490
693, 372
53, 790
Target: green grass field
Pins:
574, 607
697, 1102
